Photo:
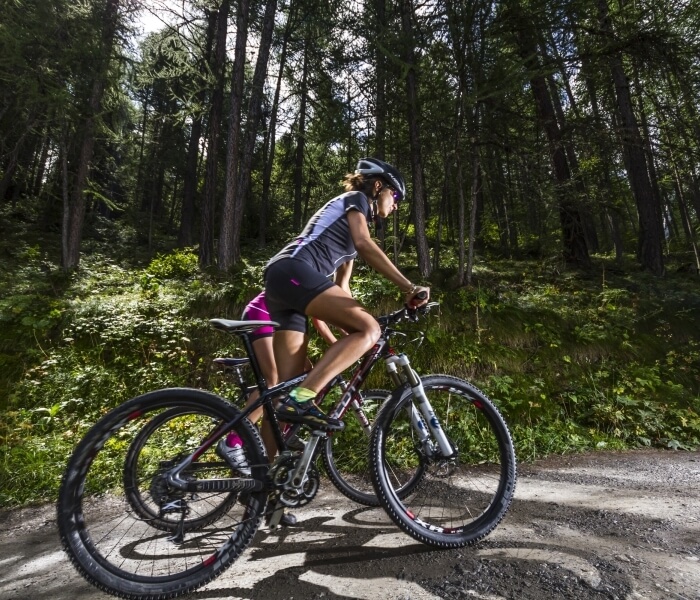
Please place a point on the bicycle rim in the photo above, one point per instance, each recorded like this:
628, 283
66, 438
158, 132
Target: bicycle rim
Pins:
130, 552
346, 456
461, 499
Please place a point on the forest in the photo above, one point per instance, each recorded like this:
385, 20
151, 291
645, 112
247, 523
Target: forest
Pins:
154, 154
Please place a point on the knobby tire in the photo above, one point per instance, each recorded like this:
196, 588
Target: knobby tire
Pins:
123, 552
459, 500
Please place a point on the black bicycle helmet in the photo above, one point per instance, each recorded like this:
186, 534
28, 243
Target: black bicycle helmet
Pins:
374, 166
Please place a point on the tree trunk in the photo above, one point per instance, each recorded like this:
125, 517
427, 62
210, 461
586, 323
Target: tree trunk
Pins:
683, 207
185, 236
380, 85
461, 218
230, 239
649, 248
8, 173
270, 141
301, 139
234, 131
587, 222
442, 210
15, 159
206, 245
475, 196
419, 195
65, 193
611, 212
575, 250
75, 210
41, 166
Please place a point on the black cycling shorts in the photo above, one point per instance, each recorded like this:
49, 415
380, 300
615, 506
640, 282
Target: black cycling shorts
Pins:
290, 285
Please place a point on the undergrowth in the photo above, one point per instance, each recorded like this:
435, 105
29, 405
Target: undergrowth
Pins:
607, 359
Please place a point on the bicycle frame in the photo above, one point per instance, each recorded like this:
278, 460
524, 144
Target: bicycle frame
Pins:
381, 350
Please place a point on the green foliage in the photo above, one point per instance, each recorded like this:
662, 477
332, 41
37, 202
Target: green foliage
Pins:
178, 264
574, 362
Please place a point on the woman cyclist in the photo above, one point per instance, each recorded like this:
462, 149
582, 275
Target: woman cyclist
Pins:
230, 448
299, 283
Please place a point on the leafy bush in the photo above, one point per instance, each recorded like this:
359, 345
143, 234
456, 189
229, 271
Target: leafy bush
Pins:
178, 264
574, 362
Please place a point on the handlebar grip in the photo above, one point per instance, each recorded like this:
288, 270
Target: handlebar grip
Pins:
418, 297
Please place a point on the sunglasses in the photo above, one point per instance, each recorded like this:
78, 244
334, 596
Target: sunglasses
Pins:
394, 194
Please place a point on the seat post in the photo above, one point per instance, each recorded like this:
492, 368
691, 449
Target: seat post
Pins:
254, 365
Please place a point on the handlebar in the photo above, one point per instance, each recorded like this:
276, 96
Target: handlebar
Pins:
407, 313
420, 296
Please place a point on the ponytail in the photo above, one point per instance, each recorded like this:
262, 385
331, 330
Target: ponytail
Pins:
357, 182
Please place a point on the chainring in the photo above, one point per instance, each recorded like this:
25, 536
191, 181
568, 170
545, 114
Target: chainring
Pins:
290, 496
301, 497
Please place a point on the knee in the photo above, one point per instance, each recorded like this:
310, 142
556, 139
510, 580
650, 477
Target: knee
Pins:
371, 334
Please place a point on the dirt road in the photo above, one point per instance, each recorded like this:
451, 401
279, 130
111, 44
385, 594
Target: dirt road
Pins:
602, 525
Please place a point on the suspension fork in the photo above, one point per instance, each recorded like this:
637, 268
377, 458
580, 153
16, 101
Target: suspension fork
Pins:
423, 420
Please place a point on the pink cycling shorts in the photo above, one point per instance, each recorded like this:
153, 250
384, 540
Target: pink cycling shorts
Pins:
256, 310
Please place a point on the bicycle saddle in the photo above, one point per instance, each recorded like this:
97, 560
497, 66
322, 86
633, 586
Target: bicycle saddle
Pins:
240, 326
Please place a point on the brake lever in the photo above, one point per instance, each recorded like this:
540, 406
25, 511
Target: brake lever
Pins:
427, 307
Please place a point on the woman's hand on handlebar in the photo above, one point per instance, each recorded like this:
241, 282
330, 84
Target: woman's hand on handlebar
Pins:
418, 296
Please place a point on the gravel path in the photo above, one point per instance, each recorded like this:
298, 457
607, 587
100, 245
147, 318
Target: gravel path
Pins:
603, 525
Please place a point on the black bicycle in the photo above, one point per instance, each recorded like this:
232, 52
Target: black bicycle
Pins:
348, 468
147, 508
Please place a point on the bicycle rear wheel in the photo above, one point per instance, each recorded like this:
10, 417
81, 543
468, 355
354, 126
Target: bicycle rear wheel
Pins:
146, 468
174, 541
461, 498
346, 455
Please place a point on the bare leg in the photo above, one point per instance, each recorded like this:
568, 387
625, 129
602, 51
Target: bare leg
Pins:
264, 351
290, 353
336, 307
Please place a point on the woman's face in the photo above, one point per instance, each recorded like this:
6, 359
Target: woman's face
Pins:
387, 201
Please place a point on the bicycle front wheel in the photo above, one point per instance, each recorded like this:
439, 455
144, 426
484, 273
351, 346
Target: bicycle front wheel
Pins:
464, 495
346, 455
124, 524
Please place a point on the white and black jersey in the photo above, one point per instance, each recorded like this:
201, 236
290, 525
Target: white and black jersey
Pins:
326, 243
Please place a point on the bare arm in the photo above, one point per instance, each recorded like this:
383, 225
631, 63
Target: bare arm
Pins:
372, 254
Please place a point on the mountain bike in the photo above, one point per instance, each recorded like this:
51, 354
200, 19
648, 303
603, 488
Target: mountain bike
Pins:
348, 470
177, 529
